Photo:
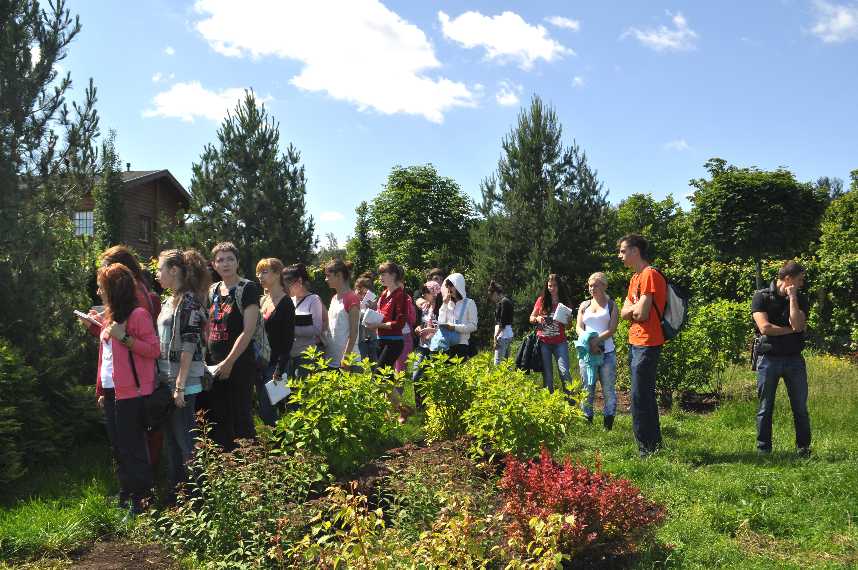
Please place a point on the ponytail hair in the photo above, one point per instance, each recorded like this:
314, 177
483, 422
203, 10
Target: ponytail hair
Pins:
195, 273
344, 268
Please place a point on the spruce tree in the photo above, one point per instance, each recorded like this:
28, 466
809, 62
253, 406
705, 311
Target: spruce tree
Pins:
359, 247
109, 212
246, 191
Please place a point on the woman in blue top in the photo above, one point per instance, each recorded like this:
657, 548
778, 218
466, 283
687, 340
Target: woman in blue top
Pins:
182, 362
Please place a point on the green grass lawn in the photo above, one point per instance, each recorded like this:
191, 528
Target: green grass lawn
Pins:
730, 508
60, 507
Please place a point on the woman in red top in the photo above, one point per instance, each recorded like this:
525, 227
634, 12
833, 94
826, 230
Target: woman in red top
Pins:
392, 304
127, 351
551, 333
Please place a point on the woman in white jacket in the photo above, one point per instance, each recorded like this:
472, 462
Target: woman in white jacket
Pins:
457, 314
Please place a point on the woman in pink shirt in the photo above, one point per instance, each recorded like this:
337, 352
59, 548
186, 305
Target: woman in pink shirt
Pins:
128, 347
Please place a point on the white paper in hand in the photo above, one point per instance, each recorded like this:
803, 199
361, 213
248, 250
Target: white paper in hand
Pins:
562, 313
372, 317
212, 369
277, 390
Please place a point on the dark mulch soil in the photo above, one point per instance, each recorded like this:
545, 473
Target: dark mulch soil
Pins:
121, 555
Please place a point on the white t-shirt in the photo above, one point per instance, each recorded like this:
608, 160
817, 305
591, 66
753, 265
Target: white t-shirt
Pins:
107, 363
338, 324
599, 321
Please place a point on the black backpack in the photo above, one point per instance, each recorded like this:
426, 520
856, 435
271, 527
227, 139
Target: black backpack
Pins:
529, 357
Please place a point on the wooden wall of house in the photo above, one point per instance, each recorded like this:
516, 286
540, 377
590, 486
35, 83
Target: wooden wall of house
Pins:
156, 200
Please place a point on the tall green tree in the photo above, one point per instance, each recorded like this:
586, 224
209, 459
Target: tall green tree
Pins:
544, 210
756, 214
421, 219
246, 191
359, 248
47, 165
109, 211
658, 220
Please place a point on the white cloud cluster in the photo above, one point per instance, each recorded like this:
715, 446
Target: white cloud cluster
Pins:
186, 101
169, 50
563, 22
356, 51
158, 77
678, 38
506, 37
678, 145
577, 81
835, 22
508, 94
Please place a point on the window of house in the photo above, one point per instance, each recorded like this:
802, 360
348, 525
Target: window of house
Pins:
83, 224
145, 229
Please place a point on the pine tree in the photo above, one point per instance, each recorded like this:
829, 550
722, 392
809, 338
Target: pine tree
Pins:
359, 248
109, 212
543, 211
245, 191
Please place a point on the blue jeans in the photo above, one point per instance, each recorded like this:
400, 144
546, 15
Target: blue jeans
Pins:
643, 362
417, 375
770, 369
559, 351
607, 375
502, 349
368, 349
179, 441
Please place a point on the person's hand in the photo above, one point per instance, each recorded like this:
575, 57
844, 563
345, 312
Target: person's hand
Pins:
100, 402
791, 291
179, 398
540, 319
116, 330
224, 369
372, 327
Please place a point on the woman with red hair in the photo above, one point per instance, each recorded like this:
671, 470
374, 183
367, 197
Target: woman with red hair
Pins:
128, 347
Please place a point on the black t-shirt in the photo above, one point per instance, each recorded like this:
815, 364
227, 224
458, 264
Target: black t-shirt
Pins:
226, 323
504, 312
776, 306
280, 328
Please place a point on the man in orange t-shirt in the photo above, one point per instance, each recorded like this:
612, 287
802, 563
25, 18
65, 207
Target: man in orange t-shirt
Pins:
643, 306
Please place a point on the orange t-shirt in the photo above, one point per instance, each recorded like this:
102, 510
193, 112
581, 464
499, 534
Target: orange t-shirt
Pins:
648, 282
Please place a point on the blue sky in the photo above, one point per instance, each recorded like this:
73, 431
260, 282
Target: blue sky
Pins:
649, 90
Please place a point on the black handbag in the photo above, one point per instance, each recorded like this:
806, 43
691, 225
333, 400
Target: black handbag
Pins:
529, 357
157, 405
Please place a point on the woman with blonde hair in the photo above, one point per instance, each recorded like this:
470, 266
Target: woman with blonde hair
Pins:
599, 315
181, 365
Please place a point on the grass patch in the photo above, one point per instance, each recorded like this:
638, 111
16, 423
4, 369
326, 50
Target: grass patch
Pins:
728, 507
60, 507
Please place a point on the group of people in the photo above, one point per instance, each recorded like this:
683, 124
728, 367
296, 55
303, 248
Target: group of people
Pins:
247, 333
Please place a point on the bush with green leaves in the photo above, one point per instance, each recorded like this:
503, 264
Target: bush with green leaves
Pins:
448, 386
233, 506
697, 359
344, 416
510, 414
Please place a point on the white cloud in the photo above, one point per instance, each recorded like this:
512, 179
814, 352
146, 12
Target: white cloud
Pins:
563, 22
157, 76
577, 81
186, 101
169, 50
331, 216
35, 54
678, 145
356, 51
506, 37
835, 22
678, 38
508, 94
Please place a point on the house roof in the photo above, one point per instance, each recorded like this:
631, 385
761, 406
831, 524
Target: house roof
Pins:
132, 178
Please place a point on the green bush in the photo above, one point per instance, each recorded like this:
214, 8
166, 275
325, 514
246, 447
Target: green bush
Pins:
344, 416
512, 415
448, 387
716, 336
237, 502
833, 319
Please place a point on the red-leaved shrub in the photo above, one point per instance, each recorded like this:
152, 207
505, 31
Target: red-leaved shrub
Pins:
608, 512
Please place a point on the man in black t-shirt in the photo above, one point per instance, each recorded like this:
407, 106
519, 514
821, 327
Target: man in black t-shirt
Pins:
780, 314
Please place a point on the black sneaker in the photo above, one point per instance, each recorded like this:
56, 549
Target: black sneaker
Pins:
803, 452
764, 451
